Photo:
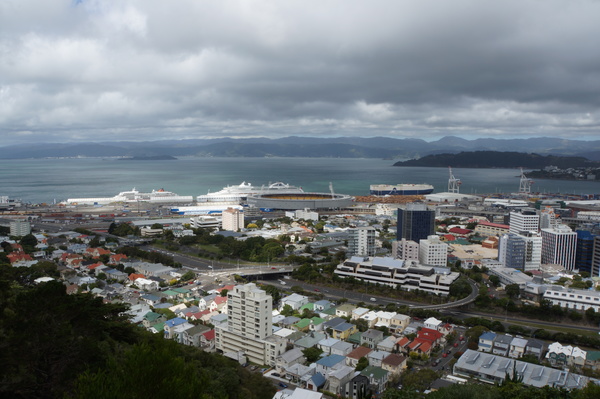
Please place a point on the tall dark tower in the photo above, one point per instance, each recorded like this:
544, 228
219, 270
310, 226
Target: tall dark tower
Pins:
415, 222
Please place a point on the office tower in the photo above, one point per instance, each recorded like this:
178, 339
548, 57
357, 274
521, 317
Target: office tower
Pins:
433, 252
587, 253
415, 222
361, 242
523, 221
511, 251
548, 218
559, 246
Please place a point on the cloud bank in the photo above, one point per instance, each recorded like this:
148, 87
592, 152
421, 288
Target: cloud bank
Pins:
102, 70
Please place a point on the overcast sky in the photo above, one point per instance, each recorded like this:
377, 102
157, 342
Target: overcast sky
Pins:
103, 70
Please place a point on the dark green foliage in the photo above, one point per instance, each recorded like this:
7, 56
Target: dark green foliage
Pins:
54, 345
312, 354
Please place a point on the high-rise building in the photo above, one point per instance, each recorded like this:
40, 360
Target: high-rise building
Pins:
20, 228
511, 251
524, 221
232, 219
587, 254
433, 252
415, 222
361, 242
548, 218
249, 326
533, 250
405, 249
559, 246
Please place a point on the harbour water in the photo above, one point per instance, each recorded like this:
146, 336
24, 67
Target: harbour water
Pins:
49, 180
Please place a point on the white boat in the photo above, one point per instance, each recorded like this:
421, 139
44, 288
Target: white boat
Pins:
156, 196
237, 194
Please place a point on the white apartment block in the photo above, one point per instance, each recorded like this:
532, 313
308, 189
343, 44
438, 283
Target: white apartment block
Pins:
405, 249
20, 228
362, 241
573, 299
397, 273
524, 221
433, 252
558, 246
232, 219
249, 326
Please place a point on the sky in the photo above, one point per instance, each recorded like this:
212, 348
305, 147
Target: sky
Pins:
134, 70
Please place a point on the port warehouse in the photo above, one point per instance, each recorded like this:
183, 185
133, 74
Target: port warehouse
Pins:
311, 201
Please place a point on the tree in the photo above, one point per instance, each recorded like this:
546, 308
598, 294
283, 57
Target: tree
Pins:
513, 290
312, 354
362, 363
494, 280
190, 275
420, 380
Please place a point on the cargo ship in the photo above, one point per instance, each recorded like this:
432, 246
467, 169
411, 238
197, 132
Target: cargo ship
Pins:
400, 189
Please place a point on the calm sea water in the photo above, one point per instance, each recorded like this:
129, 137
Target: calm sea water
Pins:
47, 180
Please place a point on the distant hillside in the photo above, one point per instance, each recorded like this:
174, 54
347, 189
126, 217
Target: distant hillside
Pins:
497, 159
294, 146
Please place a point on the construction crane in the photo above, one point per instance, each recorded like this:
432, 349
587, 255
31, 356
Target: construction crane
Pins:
453, 182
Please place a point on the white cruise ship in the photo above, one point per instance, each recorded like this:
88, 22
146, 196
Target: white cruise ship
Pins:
156, 196
237, 194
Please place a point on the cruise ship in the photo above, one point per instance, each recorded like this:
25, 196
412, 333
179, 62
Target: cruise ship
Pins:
156, 196
401, 189
237, 194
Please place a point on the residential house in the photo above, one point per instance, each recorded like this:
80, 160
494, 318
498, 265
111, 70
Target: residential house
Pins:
371, 338
289, 358
433, 323
536, 348
384, 319
341, 348
376, 357
191, 336
309, 340
569, 356
326, 344
357, 388
486, 341
357, 313
353, 357
394, 364
344, 330
295, 301
398, 323
517, 348
314, 383
152, 318
377, 376
344, 310
329, 363
501, 345
316, 324
388, 344
337, 379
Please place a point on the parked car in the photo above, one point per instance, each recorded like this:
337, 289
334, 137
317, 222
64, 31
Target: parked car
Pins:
445, 355
275, 375
456, 344
281, 384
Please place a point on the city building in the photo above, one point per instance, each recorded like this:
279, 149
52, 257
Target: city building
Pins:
415, 222
493, 369
249, 326
232, 219
587, 253
361, 241
20, 228
523, 221
405, 249
559, 244
491, 229
398, 273
433, 252
572, 298
511, 251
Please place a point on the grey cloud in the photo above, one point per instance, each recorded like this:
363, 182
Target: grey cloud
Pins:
144, 69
